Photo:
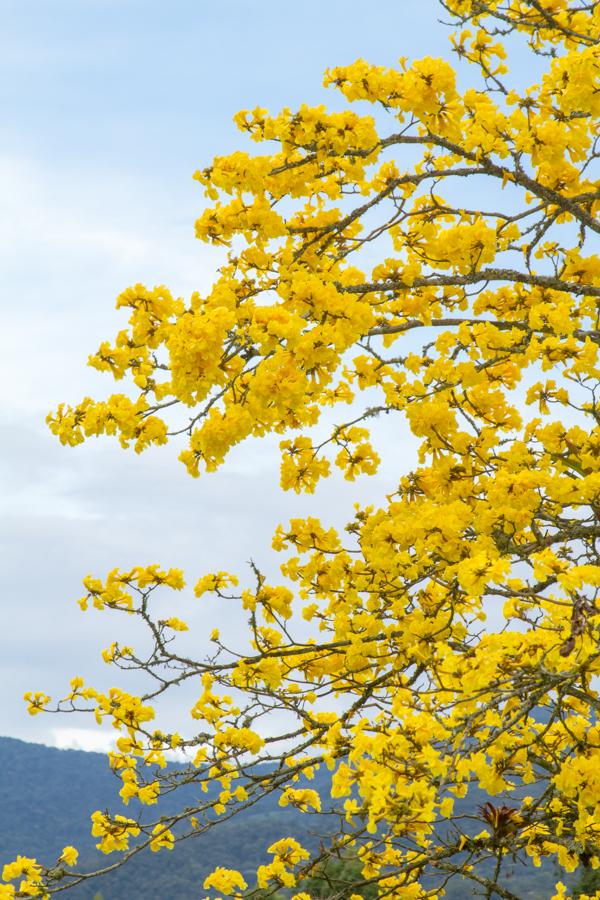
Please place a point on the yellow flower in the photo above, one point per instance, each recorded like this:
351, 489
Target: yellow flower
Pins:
69, 856
226, 881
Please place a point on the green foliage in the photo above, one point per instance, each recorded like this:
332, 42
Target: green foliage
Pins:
338, 878
588, 883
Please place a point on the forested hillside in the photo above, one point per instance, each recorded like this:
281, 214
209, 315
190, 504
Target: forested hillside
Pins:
48, 794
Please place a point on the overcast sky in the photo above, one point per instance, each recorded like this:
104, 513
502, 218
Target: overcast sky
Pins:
108, 107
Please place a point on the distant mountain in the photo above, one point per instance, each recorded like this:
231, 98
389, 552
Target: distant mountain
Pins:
48, 795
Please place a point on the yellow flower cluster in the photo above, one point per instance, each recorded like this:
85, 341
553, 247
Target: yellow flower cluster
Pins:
287, 855
114, 833
303, 799
31, 875
226, 881
113, 593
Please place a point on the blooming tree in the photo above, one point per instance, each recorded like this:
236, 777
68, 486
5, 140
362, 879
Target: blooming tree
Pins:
428, 254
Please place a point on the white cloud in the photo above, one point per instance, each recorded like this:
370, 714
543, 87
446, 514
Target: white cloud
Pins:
82, 739
68, 246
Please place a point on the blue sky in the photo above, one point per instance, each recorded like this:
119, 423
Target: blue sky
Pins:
150, 87
108, 107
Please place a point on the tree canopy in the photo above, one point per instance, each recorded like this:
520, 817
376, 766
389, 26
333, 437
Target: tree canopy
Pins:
425, 253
